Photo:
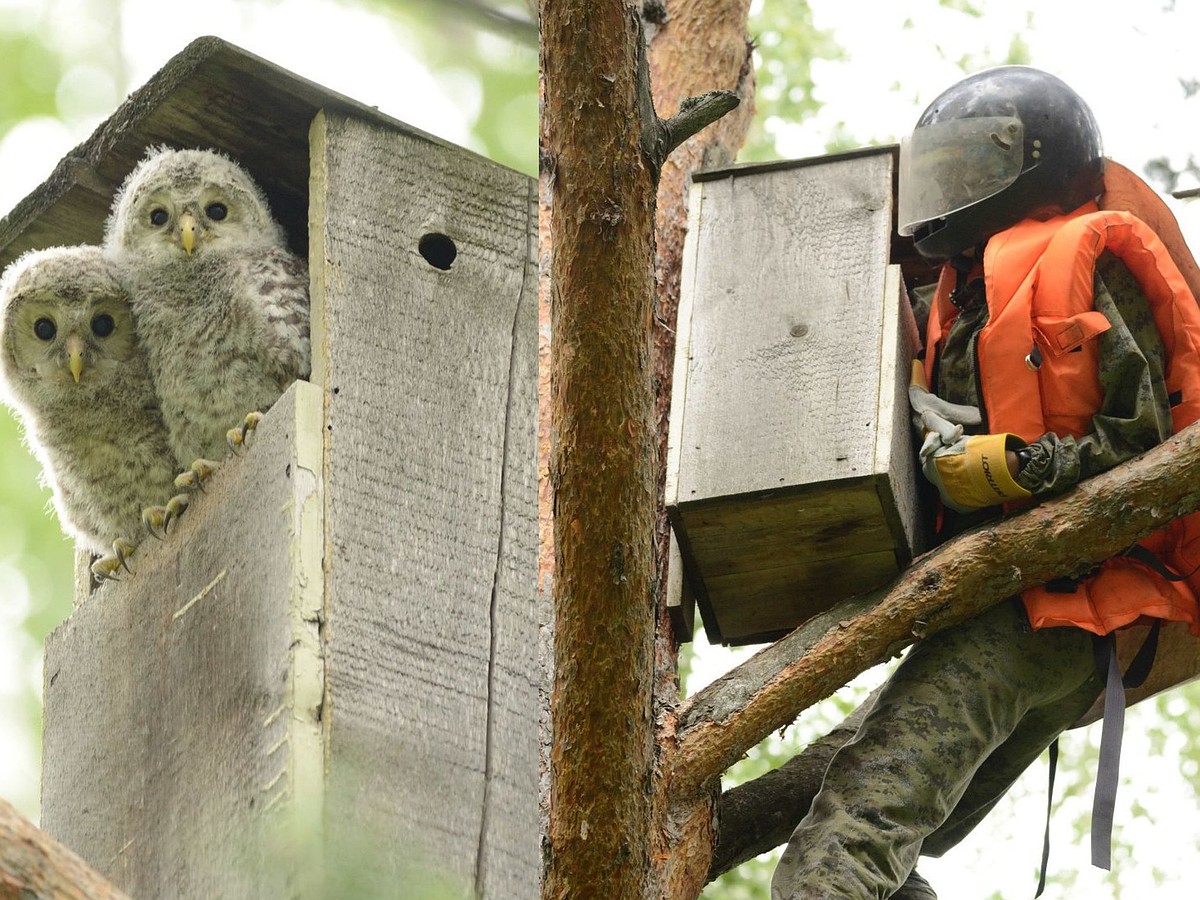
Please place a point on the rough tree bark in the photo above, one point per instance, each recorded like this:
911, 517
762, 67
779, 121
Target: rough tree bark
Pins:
35, 867
693, 45
603, 149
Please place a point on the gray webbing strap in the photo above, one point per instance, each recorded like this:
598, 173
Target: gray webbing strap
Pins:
1049, 809
1108, 771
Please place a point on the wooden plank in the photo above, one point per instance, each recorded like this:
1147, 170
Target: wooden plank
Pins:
779, 598
182, 705
681, 599
916, 269
782, 386
683, 350
739, 534
431, 562
906, 501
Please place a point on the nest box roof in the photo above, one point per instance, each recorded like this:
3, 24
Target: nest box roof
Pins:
211, 95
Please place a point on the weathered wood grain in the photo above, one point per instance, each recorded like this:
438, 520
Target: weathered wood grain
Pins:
431, 558
179, 701
790, 446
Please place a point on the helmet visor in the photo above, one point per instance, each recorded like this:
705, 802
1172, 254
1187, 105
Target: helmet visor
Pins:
948, 166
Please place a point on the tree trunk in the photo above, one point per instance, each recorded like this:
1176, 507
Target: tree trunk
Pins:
603, 150
35, 867
696, 45
601, 223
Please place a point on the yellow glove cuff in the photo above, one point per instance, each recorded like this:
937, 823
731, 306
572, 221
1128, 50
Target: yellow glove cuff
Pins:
978, 476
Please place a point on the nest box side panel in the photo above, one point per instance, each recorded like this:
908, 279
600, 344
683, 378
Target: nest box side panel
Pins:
905, 497
424, 338
785, 328
179, 701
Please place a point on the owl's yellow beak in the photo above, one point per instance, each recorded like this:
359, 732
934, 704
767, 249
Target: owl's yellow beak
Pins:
75, 356
187, 232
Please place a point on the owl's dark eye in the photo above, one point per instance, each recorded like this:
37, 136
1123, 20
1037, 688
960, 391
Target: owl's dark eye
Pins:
45, 329
103, 325
159, 216
216, 211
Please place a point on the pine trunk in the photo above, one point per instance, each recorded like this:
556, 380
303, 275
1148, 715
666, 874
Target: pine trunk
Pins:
603, 461
699, 45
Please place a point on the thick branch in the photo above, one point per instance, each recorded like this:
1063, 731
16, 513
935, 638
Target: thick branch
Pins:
33, 866
1100, 518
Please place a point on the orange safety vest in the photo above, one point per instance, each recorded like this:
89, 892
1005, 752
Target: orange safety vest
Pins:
1038, 280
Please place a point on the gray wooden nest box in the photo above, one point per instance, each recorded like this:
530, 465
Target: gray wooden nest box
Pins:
791, 481
341, 634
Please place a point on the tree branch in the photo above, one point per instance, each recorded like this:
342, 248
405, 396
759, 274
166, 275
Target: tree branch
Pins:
32, 865
694, 114
1098, 519
661, 136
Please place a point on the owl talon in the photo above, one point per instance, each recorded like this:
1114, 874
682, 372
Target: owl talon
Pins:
123, 550
107, 566
175, 508
193, 478
240, 436
156, 519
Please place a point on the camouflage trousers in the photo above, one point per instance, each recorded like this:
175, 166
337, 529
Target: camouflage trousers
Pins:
959, 720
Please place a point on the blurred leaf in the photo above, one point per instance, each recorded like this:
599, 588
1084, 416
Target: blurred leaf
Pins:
785, 44
30, 73
495, 43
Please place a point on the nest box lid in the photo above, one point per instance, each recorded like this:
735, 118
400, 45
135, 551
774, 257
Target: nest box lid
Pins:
916, 270
211, 95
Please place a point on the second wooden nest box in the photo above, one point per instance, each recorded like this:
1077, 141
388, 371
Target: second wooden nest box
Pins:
791, 480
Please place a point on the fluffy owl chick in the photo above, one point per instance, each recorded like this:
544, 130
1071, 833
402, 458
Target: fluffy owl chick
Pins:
74, 372
221, 303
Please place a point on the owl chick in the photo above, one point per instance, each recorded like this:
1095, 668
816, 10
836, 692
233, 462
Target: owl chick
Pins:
75, 374
220, 301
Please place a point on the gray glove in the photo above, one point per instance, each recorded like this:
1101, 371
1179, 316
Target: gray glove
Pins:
933, 415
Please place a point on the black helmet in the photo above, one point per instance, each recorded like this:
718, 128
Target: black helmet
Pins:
997, 147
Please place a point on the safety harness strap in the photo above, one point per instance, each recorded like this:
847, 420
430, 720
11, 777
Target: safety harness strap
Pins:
1049, 808
1108, 770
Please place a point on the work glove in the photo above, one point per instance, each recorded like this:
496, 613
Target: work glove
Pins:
969, 471
932, 413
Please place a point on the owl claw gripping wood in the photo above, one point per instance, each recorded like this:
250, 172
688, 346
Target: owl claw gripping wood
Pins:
194, 476
157, 519
240, 436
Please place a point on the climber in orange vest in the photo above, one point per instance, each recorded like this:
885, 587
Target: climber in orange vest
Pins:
1061, 340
